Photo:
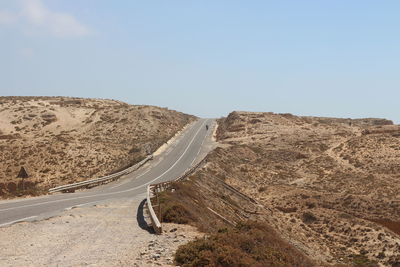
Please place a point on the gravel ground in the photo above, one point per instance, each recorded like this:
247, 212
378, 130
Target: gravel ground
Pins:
112, 233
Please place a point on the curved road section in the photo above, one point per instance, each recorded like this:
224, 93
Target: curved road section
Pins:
180, 156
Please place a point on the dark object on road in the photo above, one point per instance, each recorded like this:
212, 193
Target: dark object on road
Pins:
206, 127
22, 173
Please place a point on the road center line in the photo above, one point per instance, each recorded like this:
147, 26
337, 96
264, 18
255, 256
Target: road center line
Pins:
113, 193
137, 177
172, 145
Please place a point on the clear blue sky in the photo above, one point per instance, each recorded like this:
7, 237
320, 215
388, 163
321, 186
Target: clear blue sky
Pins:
325, 58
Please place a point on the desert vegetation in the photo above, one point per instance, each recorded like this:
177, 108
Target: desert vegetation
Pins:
329, 187
332, 184
60, 140
235, 233
247, 244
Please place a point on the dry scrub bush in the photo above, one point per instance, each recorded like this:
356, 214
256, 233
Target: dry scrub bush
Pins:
176, 213
248, 244
308, 217
362, 261
173, 210
184, 204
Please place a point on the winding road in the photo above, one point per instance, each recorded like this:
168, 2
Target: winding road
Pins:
186, 151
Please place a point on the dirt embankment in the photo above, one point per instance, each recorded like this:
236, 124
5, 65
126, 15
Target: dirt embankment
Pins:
60, 140
329, 187
235, 227
332, 184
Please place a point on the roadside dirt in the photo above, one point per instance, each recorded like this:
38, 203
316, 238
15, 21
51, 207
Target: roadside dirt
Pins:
330, 186
108, 234
60, 140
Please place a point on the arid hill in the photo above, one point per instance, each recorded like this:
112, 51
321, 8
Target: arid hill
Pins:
59, 140
330, 187
333, 184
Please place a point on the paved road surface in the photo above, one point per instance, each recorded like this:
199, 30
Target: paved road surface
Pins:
185, 152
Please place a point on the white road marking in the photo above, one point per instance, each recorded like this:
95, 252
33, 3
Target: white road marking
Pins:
198, 152
19, 220
113, 193
173, 145
137, 177
165, 154
83, 204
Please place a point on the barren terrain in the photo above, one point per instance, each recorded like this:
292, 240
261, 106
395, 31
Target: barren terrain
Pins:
332, 185
107, 234
60, 140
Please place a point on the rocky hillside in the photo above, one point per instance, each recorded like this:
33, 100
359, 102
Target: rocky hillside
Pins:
60, 140
331, 187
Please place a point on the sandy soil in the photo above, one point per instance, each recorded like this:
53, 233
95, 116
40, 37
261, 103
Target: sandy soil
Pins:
330, 186
108, 234
61, 140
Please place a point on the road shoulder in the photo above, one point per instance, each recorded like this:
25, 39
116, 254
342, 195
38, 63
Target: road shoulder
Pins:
107, 234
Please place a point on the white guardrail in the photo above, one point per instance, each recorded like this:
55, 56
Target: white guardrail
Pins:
155, 223
153, 189
108, 178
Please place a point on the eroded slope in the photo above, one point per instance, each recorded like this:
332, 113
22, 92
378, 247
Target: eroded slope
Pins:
60, 140
332, 184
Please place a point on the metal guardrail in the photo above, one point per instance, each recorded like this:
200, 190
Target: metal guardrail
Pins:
191, 170
153, 189
108, 178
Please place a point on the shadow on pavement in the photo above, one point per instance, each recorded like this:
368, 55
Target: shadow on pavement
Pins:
141, 220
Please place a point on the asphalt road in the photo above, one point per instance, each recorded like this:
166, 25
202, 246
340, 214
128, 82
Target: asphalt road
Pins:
180, 156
